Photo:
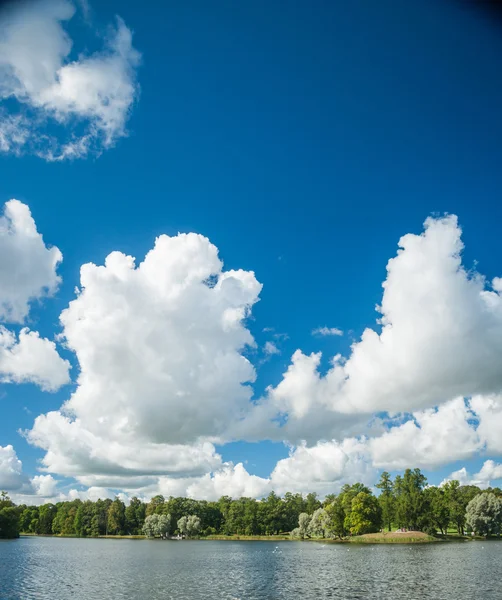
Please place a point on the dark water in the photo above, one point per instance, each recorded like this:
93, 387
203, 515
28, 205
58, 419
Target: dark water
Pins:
57, 569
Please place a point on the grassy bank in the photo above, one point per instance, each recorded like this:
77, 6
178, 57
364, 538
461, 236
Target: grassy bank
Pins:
249, 538
410, 537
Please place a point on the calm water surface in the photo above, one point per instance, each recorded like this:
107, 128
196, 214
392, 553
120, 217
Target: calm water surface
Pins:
57, 569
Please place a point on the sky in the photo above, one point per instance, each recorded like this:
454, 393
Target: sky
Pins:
248, 247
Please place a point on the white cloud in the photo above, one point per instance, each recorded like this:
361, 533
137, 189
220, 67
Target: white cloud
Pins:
432, 438
20, 487
44, 486
31, 359
11, 469
27, 266
489, 412
27, 273
161, 366
231, 480
490, 471
324, 467
270, 348
92, 493
74, 451
326, 331
89, 97
441, 338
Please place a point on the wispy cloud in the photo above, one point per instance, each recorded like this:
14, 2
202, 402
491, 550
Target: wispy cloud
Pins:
324, 331
59, 108
270, 348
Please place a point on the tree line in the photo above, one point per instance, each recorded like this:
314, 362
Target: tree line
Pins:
405, 502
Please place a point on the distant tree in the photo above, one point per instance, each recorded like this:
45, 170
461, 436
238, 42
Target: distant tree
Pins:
134, 516
157, 525
336, 518
303, 525
46, 514
189, 526
294, 505
411, 509
319, 523
484, 514
365, 515
9, 518
29, 520
155, 505
116, 517
386, 499
438, 509
312, 503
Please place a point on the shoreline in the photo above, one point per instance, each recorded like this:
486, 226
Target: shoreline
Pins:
367, 539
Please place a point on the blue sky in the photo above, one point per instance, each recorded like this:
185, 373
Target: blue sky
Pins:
303, 143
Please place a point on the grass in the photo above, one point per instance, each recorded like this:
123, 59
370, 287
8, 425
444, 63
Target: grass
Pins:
410, 537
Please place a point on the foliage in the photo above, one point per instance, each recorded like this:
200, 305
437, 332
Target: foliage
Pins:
303, 525
484, 514
386, 499
319, 523
337, 517
407, 502
189, 526
9, 517
365, 515
156, 525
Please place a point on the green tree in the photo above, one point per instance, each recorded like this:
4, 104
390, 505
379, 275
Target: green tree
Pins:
156, 525
189, 526
312, 503
386, 499
365, 515
9, 518
155, 505
303, 525
116, 517
438, 509
484, 514
134, 516
46, 514
411, 509
336, 518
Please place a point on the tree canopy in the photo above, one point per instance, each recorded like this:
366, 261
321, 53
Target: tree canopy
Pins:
405, 502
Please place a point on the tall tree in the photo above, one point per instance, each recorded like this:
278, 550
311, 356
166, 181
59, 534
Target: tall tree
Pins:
386, 499
438, 509
337, 517
410, 499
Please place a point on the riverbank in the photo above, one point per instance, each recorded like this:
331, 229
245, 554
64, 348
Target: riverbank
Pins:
409, 537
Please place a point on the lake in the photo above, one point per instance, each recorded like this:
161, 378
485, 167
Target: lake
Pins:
59, 568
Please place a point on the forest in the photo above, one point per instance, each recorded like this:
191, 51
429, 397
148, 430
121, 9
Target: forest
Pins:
405, 502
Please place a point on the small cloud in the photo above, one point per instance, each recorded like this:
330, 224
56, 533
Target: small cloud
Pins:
267, 329
324, 331
281, 336
270, 348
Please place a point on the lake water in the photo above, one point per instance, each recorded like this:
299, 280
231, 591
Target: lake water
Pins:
58, 568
